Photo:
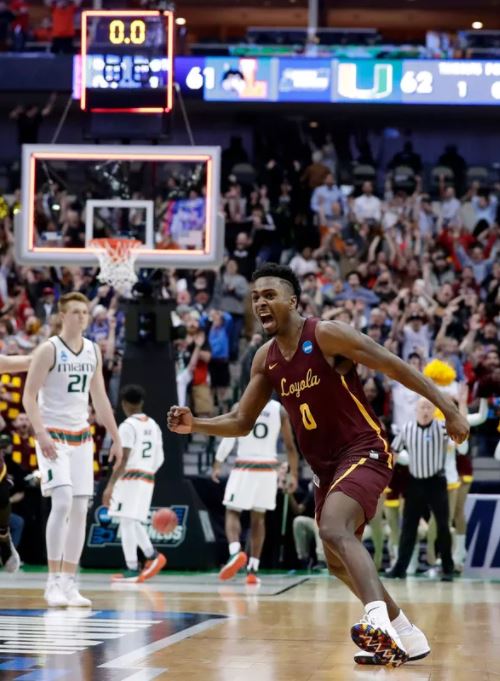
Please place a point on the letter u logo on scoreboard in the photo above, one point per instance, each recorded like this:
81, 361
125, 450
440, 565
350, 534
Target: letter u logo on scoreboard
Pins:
348, 77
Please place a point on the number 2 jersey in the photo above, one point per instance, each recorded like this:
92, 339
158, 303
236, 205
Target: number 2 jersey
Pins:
63, 399
329, 413
142, 435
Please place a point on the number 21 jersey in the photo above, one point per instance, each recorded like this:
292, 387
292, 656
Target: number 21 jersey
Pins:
64, 397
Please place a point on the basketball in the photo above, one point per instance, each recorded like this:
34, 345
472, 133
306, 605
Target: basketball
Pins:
164, 520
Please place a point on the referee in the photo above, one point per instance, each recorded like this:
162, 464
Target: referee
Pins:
425, 440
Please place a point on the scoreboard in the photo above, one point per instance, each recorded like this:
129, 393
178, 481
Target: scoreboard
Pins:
126, 61
126, 65
303, 79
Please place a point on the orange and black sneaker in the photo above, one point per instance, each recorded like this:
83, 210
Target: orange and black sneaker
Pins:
152, 567
233, 565
252, 579
383, 641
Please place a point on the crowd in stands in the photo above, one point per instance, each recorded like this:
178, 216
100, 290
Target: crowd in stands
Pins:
416, 270
57, 23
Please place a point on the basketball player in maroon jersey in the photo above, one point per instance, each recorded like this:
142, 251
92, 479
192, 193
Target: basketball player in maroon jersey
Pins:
311, 365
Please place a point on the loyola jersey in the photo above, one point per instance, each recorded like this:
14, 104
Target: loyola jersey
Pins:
142, 435
64, 397
262, 442
329, 412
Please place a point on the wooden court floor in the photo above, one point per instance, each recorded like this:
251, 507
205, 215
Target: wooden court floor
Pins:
186, 628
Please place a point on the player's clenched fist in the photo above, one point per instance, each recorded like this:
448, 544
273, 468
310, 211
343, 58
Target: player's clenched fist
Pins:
458, 427
180, 420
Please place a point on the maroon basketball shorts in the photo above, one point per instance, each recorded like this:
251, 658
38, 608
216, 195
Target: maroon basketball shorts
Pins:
363, 477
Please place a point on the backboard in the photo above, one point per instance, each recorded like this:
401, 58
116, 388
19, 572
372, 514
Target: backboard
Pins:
166, 197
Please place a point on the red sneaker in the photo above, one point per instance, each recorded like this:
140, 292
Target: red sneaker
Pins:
152, 567
252, 579
233, 566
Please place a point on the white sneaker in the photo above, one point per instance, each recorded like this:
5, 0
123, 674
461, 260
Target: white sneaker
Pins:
73, 596
14, 562
415, 642
380, 639
54, 595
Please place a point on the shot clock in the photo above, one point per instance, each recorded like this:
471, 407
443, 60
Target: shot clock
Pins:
127, 61
124, 33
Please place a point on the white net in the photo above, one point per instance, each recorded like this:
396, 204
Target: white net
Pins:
117, 259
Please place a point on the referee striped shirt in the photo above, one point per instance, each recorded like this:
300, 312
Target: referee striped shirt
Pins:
426, 447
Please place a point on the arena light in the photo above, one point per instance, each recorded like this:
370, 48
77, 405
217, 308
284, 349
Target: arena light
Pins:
180, 21
477, 25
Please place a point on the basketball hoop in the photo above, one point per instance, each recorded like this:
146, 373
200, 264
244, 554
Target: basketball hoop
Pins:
116, 259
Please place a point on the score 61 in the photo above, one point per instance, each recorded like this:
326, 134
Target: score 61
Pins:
198, 78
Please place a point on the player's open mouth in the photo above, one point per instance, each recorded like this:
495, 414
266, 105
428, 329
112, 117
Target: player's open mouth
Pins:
266, 319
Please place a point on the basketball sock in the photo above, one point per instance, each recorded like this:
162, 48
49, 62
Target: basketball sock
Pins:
144, 541
234, 547
402, 624
129, 542
66, 579
75, 536
57, 523
377, 611
253, 564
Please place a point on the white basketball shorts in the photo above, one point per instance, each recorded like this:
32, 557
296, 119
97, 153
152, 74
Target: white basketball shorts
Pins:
253, 487
132, 498
74, 466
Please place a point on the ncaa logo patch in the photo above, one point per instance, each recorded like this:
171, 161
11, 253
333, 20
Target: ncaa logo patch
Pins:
103, 516
64, 356
307, 347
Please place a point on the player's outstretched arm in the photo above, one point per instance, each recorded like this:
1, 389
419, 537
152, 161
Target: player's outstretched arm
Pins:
291, 450
104, 410
240, 420
43, 360
14, 363
338, 338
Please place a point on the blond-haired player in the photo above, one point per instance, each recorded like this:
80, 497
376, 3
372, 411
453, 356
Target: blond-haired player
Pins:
64, 371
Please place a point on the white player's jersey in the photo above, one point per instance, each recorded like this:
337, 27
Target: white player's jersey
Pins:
64, 397
261, 444
142, 435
